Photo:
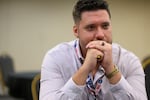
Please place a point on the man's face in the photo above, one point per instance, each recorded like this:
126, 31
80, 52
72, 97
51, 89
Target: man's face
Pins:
94, 25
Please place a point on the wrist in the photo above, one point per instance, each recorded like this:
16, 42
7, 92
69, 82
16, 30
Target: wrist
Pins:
112, 73
109, 69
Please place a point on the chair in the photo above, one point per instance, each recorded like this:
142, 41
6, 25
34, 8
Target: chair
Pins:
35, 87
2, 83
146, 67
6, 68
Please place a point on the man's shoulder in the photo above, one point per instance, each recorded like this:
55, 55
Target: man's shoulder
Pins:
120, 53
117, 48
62, 47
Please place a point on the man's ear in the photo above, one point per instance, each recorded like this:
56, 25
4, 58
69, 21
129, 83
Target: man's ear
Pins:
75, 30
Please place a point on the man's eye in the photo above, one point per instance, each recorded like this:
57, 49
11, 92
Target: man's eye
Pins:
105, 26
90, 28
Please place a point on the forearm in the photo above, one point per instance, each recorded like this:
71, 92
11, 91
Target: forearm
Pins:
80, 76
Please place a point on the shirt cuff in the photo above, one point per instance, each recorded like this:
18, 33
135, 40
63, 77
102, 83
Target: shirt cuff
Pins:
72, 89
122, 87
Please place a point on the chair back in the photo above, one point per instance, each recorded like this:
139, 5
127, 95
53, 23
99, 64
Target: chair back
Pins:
146, 67
35, 87
6, 68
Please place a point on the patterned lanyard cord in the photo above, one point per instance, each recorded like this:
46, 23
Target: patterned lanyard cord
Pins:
94, 89
76, 50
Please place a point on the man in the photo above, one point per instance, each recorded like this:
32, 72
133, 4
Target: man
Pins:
91, 67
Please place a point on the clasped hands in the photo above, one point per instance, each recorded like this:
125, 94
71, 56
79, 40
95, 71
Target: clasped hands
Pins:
99, 53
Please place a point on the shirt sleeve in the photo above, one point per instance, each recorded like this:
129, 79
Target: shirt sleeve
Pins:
73, 90
53, 85
68, 91
132, 85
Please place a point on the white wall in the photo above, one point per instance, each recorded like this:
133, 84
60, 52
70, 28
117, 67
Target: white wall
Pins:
130, 19
28, 28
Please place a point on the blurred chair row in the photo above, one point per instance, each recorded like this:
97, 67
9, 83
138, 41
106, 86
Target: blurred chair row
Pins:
6, 70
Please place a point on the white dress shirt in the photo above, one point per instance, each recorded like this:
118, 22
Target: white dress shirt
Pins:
61, 62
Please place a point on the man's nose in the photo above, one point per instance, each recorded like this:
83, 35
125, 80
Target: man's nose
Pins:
100, 34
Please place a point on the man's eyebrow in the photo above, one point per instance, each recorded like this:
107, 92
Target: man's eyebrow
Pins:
90, 24
106, 22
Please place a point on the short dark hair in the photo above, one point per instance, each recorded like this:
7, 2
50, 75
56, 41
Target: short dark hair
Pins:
88, 5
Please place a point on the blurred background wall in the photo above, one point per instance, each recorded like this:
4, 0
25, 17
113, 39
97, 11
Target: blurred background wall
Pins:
29, 28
